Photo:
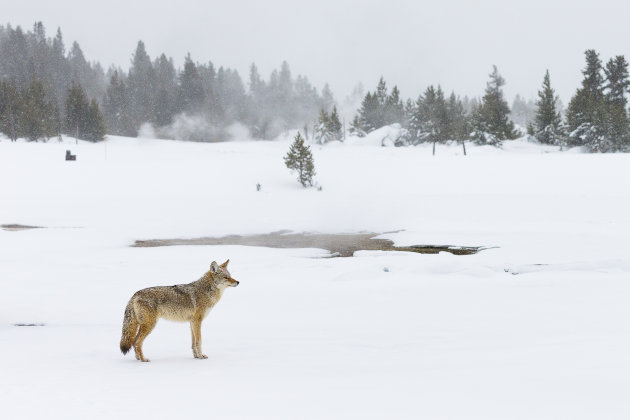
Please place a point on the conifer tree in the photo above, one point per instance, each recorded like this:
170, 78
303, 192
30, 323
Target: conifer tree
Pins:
548, 123
141, 85
37, 116
116, 107
166, 94
457, 120
334, 125
83, 118
617, 84
368, 113
322, 135
491, 119
77, 106
300, 159
394, 108
356, 127
191, 92
586, 114
94, 124
10, 109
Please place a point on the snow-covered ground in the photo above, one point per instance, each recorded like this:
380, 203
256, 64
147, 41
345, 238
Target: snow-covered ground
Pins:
537, 327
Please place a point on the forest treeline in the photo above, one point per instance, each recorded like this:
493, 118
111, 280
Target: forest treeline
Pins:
46, 91
200, 101
596, 117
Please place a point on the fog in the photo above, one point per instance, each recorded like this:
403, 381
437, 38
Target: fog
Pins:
412, 44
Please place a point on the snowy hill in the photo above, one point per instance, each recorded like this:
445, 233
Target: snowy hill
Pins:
535, 327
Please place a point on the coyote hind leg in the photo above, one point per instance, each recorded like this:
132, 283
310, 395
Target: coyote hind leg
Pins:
147, 323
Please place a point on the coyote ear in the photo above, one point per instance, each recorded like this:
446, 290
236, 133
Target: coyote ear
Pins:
214, 267
224, 265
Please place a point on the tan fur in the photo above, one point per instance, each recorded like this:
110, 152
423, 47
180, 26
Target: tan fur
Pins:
183, 302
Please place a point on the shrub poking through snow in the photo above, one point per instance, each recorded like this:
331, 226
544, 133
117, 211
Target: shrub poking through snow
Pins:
300, 159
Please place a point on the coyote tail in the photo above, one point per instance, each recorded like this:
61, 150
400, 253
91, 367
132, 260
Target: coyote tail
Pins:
129, 329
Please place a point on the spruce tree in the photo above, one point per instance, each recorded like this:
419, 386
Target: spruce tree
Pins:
547, 128
300, 159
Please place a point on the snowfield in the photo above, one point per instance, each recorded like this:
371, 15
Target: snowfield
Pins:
535, 327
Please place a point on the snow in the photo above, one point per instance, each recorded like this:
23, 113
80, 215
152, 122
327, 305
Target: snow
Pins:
534, 327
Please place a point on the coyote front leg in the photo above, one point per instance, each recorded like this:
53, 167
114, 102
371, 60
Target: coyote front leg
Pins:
195, 329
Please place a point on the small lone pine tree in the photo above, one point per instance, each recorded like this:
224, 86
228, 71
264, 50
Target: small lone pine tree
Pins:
300, 159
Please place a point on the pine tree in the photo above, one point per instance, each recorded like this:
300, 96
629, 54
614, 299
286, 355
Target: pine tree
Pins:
94, 124
141, 84
548, 123
36, 119
356, 127
322, 134
191, 92
328, 100
457, 120
77, 106
586, 114
11, 105
116, 107
394, 108
83, 118
166, 95
368, 113
491, 119
300, 159
334, 125
617, 84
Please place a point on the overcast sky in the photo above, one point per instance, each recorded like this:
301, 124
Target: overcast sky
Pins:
411, 43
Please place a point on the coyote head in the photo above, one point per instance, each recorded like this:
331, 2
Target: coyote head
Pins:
222, 276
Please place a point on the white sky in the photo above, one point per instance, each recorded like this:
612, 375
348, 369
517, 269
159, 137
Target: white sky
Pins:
411, 43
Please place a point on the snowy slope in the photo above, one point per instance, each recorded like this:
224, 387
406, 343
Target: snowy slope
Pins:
534, 328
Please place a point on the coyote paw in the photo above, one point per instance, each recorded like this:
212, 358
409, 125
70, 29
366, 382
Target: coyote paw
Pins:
201, 356
144, 360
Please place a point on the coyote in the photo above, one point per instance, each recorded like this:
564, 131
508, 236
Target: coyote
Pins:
183, 302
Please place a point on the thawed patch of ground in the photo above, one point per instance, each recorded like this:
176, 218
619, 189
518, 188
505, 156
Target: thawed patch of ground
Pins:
16, 227
339, 245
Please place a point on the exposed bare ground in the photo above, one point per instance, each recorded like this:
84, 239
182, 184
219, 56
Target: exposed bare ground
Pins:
341, 245
16, 227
